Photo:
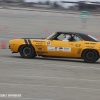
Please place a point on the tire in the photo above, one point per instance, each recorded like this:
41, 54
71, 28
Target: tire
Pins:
27, 52
90, 56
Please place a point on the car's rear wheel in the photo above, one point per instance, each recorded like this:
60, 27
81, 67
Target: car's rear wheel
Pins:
90, 56
27, 52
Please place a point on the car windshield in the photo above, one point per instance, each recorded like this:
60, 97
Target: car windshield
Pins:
93, 37
50, 36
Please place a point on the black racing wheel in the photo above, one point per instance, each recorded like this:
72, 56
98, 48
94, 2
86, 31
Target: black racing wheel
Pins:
27, 51
90, 56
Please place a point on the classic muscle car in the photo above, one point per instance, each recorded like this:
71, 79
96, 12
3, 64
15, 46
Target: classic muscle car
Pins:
80, 46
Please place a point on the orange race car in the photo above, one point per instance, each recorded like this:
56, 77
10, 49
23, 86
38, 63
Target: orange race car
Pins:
59, 44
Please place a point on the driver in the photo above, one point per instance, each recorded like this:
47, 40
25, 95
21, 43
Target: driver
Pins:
67, 37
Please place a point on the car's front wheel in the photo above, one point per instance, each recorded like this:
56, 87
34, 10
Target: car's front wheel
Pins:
90, 56
27, 52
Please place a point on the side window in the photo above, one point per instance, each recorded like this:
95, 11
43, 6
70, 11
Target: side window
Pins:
76, 38
61, 37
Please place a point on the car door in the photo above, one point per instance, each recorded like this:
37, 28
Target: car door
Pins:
59, 48
78, 46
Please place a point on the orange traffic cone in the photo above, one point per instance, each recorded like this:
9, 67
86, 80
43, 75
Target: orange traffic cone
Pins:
98, 36
14, 36
6, 27
0, 30
45, 30
21, 31
49, 33
3, 45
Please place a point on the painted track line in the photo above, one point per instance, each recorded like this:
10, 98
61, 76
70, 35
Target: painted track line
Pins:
78, 88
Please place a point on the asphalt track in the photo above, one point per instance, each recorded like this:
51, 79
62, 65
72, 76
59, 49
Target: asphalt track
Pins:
46, 78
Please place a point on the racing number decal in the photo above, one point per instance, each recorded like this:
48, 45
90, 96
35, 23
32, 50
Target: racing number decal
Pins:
65, 49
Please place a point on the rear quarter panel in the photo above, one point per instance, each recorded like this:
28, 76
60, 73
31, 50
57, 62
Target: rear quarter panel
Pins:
79, 47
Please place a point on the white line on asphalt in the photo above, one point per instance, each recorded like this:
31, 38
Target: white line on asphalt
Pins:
48, 86
58, 78
52, 65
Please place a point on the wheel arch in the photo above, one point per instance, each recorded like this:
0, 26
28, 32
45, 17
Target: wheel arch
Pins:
25, 45
21, 46
88, 50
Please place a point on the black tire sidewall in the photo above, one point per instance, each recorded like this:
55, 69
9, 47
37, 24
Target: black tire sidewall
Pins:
93, 60
32, 54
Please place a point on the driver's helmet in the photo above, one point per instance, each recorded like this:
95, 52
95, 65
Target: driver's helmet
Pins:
67, 36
